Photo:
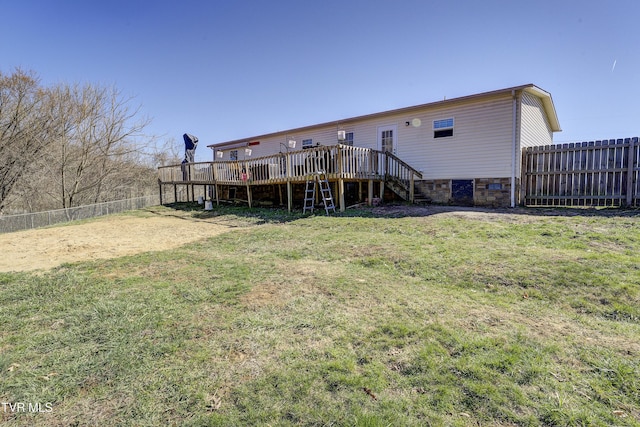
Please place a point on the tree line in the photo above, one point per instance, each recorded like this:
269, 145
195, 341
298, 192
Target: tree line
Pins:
69, 145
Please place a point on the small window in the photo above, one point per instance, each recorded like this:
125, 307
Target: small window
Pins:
494, 186
307, 143
233, 154
443, 124
443, 128
348, 139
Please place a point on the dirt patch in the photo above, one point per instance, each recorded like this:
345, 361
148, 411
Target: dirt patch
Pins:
107, 237
266, 294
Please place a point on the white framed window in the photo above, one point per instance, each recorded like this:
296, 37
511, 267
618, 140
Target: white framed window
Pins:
233, 154
307, 143
388, 138
443, 128
348, 139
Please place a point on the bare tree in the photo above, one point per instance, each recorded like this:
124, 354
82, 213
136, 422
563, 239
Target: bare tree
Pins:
170, 153
69, 145
100, 141
25, 129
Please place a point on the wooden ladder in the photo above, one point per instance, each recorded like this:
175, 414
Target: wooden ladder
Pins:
325, 193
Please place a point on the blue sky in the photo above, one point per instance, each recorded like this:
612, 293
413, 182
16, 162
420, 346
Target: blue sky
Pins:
229, 69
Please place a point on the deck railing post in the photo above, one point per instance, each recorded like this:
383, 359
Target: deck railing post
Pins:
411, 190
340, 178
386, 165
288, 176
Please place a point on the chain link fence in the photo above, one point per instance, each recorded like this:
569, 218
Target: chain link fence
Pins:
9, 223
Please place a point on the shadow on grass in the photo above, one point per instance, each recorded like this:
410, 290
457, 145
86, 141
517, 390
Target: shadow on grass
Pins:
264, 215
261, 215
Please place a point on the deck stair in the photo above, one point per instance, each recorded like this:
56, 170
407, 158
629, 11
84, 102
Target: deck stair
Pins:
320, 178
398, 186
402, 189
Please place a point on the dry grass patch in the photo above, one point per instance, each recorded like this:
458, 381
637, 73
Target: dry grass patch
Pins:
102, 238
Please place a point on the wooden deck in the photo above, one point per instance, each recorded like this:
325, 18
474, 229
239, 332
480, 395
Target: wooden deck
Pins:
341, 163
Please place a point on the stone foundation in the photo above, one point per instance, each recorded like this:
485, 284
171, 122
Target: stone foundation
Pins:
438, 190
493, 192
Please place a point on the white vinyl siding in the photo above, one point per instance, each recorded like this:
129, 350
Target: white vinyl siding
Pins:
481, 145
536, 129
272, 144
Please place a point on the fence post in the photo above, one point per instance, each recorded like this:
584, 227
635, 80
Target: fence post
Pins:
630, 171
524, 168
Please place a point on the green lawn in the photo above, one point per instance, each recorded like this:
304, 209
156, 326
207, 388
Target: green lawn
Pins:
352, 320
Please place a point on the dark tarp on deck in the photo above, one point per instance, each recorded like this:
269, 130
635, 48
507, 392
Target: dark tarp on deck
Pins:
190, 144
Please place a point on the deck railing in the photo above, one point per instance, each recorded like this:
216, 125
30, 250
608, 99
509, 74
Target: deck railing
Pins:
338, 161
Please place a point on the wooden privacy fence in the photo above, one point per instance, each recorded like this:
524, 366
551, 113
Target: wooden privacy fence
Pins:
596, 173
